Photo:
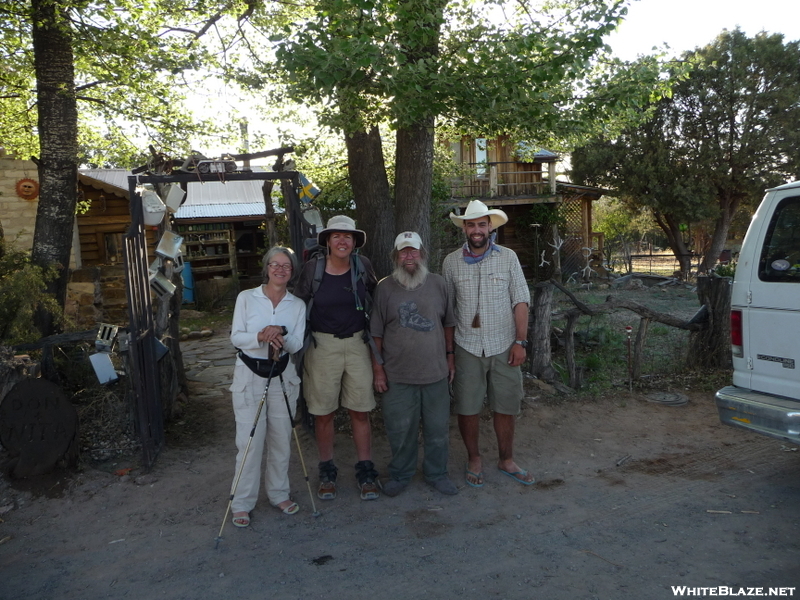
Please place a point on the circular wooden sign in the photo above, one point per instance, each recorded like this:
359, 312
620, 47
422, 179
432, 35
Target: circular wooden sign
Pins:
37, 424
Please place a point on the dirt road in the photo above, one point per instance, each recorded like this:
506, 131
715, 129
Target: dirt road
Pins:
694, 504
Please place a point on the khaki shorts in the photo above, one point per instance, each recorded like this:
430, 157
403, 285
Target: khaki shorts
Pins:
335, 366
480, 377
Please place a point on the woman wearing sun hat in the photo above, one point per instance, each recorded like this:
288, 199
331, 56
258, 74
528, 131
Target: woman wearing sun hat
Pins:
337, 362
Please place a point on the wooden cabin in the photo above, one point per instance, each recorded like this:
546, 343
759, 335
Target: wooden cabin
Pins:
101, 227
221, 223
523, 182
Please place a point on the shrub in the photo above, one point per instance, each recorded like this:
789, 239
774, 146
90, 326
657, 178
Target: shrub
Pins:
22, 293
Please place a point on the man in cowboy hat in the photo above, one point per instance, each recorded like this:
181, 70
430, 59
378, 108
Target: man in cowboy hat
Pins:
412, 324
336, 288
491, 297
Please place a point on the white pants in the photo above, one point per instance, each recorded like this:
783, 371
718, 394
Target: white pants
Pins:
274, 426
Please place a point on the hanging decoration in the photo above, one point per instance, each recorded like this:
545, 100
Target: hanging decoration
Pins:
28, 189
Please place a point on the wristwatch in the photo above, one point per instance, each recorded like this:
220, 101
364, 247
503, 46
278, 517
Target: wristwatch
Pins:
523, 343
284, 331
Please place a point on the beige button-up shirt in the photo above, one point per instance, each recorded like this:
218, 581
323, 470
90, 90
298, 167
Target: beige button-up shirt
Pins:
490, 288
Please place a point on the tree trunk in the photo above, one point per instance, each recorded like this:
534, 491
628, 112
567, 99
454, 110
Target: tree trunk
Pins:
58, 139
413, 179
418, 25
541, 353
371, 193
721, 225
711, 346
672, 230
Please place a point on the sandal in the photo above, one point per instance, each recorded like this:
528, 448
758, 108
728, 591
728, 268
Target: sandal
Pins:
241, 521
292, 509
327, 480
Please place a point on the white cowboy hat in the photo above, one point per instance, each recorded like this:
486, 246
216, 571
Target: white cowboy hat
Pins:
477, 209
407, 239
344, 224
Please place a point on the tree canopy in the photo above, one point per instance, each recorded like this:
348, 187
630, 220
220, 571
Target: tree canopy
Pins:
118, 61
730, 130
534, 71
128, 60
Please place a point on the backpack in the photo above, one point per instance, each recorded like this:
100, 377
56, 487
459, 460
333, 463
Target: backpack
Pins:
357, 273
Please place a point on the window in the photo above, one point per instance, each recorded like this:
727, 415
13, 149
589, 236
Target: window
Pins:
113, 248
780, 256
480, 156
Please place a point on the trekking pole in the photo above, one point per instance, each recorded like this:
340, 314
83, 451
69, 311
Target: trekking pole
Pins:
244, 458
316, 513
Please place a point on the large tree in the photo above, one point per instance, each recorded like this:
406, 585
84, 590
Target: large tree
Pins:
58, 135
730, 130
78, 69
480, 67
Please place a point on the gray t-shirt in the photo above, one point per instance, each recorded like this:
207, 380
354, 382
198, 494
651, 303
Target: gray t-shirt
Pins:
411, 324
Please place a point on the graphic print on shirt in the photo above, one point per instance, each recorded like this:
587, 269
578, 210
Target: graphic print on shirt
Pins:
410, 318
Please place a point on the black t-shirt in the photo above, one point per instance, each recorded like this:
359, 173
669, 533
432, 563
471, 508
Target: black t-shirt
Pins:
334, 310
334, 307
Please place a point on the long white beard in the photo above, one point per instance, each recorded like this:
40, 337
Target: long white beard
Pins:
408, 280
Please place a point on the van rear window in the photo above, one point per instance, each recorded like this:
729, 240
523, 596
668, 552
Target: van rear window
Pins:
780, 256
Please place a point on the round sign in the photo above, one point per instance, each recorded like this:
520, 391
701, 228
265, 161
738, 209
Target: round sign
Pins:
28, 189
37, 424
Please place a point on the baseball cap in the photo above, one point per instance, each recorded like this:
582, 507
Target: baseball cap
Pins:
407, 239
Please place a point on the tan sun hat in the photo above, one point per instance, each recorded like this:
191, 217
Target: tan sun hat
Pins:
343, 224
477, 209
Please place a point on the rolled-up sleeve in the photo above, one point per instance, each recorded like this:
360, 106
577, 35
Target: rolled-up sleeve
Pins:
242, 337
519, 287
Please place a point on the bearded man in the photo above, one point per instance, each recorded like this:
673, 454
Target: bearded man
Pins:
412, 324
491, 298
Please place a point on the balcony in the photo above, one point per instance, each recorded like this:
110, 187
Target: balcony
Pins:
512, 182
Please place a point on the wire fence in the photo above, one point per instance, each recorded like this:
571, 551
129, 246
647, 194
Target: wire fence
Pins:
655, 263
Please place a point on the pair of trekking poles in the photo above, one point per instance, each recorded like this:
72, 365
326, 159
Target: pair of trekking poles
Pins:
316, 513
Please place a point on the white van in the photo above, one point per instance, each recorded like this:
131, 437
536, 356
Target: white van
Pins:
765, 322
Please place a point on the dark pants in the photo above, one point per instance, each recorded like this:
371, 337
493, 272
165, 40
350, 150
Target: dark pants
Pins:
403, 405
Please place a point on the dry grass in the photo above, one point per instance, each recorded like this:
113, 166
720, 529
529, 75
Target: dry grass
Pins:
602, 342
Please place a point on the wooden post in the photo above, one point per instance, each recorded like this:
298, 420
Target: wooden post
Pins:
569, 350
493, 181
638, 348
539, 332
271, 235
556, 255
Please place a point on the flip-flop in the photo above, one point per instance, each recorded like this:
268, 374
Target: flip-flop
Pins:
478, 476
518, 476
241, 521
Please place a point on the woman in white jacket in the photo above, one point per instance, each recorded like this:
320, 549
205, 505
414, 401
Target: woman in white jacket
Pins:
267, 320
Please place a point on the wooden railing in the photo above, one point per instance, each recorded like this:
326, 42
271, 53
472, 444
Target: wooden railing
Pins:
504, 179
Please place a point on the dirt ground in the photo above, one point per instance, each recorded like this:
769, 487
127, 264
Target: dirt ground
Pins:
632, 497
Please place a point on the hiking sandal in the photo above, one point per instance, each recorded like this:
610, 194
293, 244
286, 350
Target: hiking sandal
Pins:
327, 480
367, 478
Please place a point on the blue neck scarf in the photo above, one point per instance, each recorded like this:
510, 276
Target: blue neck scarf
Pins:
471, 258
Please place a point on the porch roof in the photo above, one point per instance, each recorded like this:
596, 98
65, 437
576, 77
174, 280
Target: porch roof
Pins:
210, 200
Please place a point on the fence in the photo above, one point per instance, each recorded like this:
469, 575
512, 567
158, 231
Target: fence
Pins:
654, 263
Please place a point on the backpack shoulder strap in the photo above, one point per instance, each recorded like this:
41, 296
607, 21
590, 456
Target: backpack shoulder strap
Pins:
319, 271
358, 272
